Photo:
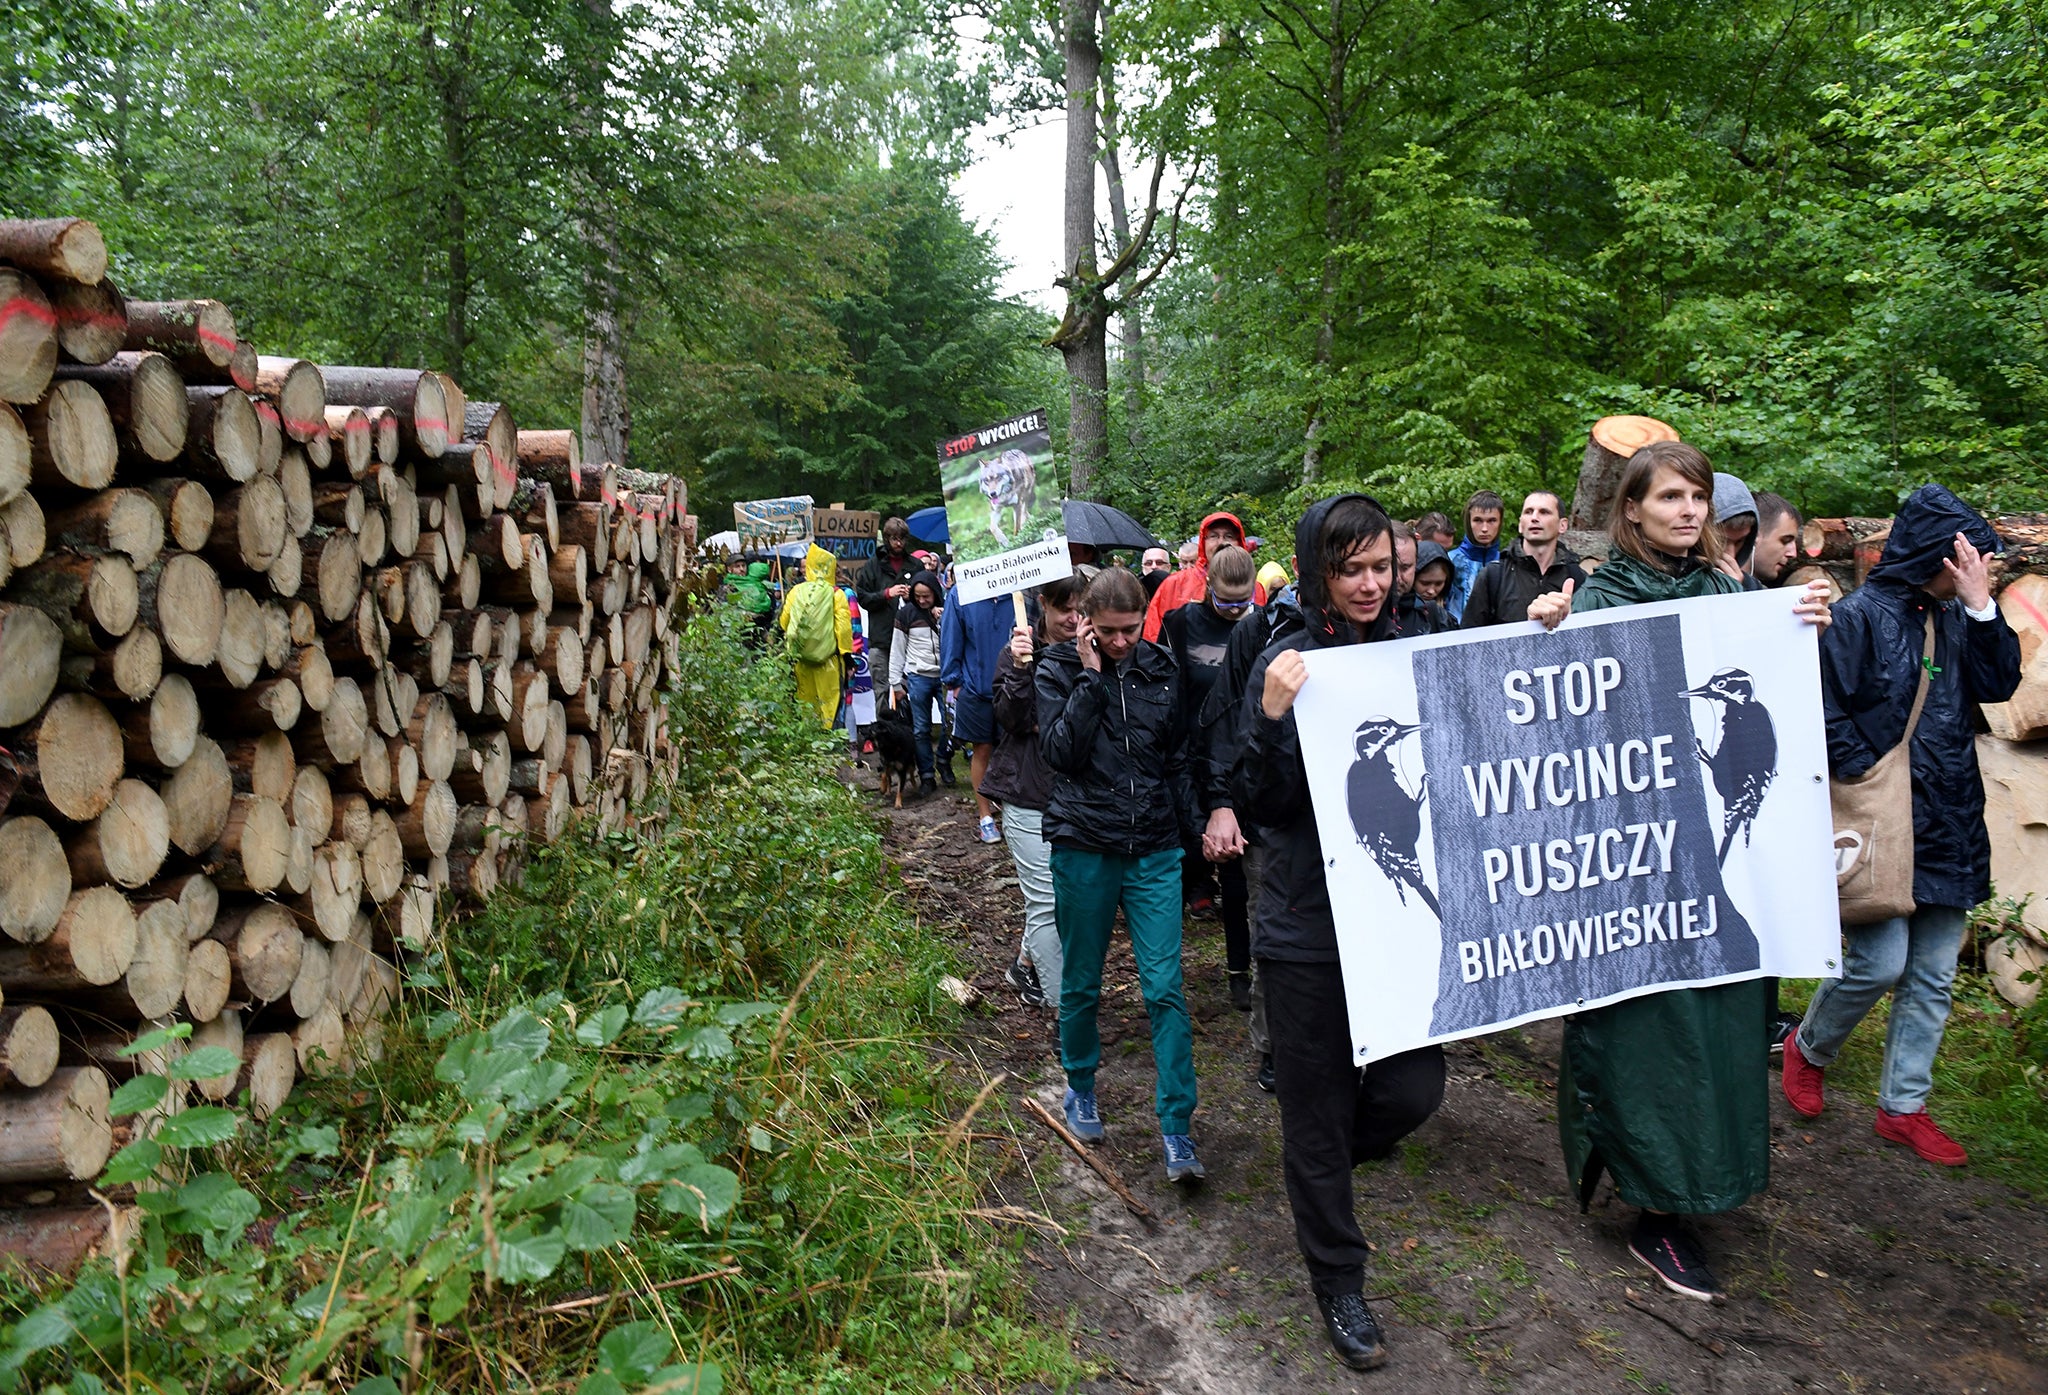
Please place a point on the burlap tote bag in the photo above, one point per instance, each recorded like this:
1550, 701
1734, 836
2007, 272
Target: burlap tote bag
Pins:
1874, 823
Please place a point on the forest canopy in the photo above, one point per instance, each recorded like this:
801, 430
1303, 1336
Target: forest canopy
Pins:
1414, 246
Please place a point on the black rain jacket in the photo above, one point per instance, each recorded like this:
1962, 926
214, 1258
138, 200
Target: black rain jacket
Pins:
878, 610
1870, 668
1017, 773
1504, 589
1117, 747
1292, 920
1414, 616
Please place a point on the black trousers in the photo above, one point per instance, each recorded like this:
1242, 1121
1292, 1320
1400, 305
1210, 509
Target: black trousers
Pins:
1334, 1116
1233, 900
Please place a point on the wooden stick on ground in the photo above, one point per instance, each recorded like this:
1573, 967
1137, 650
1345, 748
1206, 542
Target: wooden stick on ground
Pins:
1087, 1155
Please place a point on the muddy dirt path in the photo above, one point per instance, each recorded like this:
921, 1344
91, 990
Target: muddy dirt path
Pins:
1862, 1269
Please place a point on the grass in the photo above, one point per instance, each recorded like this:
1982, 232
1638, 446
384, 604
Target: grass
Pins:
1990, 1091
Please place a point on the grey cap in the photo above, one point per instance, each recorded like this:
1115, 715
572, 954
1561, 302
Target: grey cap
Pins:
1732, 498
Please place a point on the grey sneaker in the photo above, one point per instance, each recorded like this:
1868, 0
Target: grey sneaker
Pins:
1082, 1120
1181, 1163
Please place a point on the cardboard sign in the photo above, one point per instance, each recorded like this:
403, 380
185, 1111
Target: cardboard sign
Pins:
1003, 508
1518, 824
772, 522
848, 534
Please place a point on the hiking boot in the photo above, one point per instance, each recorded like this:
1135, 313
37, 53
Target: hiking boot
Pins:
1782, 1028
1920, 1133
1241, 992
946, 773
1022, 975
926, 787
1673, 1255
1803, 1083
1352, 1330
988, 830
1265, 1075
1181, 1163
1201, 906
1082, 1120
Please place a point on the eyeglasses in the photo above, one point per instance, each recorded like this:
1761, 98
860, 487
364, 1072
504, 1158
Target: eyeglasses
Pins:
1231, 607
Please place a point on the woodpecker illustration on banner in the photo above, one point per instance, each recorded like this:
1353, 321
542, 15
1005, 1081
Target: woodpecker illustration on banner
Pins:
1745, 760
1385, 816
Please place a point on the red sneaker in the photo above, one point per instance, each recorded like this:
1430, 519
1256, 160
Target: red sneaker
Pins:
1920, 1133
1803, 1083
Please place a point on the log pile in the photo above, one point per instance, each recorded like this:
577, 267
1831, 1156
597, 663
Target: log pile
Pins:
294, 659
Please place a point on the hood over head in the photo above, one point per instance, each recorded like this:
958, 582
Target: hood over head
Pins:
1236, 526
1272, 576
928, 578
820, 565
757, 571
1732, 498
1924, 536
1312, 595
1428, 552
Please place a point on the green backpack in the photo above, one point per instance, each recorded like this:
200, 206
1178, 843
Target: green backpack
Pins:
813, 635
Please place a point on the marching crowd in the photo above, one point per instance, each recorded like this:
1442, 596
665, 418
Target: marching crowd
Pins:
1135, 746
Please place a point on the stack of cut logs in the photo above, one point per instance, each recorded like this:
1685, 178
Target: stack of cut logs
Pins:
287, 652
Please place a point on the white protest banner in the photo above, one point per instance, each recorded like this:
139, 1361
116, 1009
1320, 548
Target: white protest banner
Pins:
1517, 825
1003, 508
772, 522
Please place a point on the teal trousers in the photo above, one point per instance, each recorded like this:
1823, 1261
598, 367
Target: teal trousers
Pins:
1087, 889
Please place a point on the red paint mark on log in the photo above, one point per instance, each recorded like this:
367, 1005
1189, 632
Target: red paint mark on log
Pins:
22, 305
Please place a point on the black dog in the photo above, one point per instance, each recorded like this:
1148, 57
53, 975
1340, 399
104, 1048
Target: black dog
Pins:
895, 748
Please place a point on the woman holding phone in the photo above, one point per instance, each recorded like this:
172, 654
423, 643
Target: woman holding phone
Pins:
1110, 726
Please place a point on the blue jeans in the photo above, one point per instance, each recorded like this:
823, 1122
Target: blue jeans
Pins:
921, 690
1912, 957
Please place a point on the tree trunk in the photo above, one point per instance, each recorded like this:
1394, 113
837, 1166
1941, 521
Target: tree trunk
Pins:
72, 756
70, 248
38, 882
28, 338
1335, 107
198, 798
92, 321
145, 398
60, 1130
1608, 448
181, 599
1132, 314
31, 654
1083, 336
195, 335
28, 1046
71, 438
126, 844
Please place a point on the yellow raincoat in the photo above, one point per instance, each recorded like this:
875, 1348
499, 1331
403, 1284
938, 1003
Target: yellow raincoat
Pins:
817, 626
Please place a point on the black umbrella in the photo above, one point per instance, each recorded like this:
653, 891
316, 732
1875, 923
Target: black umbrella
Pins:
1099, 525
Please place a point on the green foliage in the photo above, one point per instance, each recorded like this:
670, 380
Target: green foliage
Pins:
618, 1142
430, 181
1440, 239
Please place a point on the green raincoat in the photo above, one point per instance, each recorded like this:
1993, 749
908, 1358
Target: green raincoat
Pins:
752, 589
1669, 1092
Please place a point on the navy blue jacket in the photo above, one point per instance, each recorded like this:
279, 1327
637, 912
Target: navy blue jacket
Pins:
1870, 668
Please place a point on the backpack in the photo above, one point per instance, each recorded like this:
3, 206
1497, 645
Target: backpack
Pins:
813, 633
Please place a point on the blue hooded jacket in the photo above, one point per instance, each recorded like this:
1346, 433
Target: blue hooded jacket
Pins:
1870, 665
972, 639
